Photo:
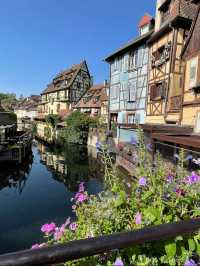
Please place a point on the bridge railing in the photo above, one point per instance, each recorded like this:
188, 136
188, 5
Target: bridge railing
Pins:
93, 246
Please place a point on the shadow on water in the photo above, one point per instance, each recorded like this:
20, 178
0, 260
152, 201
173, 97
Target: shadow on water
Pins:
40, 191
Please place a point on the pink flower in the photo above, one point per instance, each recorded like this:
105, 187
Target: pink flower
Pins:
80, 197
73, 226
36, 246
48, 228
138, 218
59, 233
67, 222
118, 262
81, 187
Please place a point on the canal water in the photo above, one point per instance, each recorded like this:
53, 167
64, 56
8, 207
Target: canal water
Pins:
40, 191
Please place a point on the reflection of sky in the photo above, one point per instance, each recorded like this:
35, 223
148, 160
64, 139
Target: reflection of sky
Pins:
42, 200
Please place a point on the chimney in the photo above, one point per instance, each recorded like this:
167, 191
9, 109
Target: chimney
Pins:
105, 82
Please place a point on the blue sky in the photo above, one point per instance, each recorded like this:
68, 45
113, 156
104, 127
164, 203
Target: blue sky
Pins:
39, 38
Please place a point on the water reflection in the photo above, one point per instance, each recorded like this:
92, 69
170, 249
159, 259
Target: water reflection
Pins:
15, 177
40, 191
71, 165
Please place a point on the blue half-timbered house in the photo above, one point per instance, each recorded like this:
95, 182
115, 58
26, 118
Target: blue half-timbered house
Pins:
128, 81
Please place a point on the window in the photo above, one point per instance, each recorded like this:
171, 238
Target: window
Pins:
144, 29
131, 118
58, 108
193, 72
114, 91
133, 60
132, 86
157, 91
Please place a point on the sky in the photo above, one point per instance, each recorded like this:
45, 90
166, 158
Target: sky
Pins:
40, 38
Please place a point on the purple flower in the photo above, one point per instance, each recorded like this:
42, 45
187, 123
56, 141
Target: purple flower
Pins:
138, 218
58, 234
73, 226
133, 140
142, 181
149, 147
169, 178
192, 179
190, 263
118, 262
48, 228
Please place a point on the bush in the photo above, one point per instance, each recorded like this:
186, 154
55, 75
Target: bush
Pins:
173, 194
77, 129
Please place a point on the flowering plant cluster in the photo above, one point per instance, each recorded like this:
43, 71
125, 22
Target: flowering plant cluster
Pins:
160, 193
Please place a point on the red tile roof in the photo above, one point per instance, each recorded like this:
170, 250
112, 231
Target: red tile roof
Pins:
94, 97
146, 19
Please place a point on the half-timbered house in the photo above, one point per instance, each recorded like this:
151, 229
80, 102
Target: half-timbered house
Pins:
62, 94
66, 89
128, 80
95, 101
191, 56
172, 25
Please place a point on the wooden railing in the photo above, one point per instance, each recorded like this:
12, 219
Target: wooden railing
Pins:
93, 246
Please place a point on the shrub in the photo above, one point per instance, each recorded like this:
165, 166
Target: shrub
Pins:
78, 125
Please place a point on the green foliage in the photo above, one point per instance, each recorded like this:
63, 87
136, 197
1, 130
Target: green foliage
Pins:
52, 120
34, 129
78, 125
47, 133
166, 196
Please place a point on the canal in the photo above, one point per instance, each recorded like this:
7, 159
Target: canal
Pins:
40, 191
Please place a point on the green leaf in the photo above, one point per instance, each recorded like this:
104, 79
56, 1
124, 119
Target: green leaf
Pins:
192, 245
170, 249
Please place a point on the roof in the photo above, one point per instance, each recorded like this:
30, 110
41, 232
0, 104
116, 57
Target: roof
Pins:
94, 97
179, 21
64, 79
133, 43
146, 19
29, 103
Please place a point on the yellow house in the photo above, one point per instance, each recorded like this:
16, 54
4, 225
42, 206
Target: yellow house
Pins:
173, 21
65, 90
61, 95
191, 55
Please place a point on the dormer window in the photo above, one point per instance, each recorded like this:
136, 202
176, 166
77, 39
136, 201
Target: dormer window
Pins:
144, 29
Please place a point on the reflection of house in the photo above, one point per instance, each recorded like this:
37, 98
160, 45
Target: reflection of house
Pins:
95, 101
56, 162
129, 68
65, 90
191, 54
173, 20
